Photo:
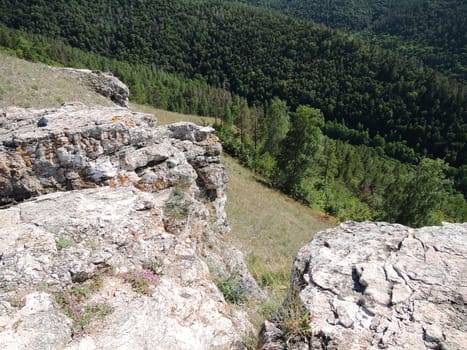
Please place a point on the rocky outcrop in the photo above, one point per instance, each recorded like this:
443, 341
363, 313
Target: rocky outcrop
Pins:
378, 286
108, 228
104, 84
76, 147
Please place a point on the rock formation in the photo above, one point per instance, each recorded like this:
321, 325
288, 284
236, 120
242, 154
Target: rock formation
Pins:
104, 84
108, 226
378, 286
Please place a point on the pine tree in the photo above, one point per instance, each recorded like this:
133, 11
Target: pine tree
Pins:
298, 150
275, 126
414, 198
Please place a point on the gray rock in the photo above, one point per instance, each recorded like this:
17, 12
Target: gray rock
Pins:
83, 147
106, 227
123, 192
38, 325
382, 286
105, 84
42, 122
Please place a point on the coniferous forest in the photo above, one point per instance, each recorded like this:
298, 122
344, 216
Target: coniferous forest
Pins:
431, 30
337, 122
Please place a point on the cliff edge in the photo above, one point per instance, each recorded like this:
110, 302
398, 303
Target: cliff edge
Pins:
109, 226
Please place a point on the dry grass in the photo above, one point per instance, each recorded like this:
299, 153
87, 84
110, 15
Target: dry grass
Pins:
27, 84
166, 117
268, 226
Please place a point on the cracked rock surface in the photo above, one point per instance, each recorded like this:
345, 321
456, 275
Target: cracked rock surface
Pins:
95, 194
382, 286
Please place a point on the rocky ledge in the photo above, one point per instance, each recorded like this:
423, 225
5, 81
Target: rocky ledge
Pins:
108, 227
377, 286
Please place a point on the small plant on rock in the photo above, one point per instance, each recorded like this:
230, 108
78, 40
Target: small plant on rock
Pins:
15, 302
294, 320
178, 205
234, 289
74, 303
156, 266
63, 242
142, 281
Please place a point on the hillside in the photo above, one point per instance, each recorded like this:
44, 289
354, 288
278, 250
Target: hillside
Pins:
432, 31
268, 227
392, 116
259, 55
26, 84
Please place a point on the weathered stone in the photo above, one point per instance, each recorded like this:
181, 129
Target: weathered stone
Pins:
104, 84
82, 147
377, 285
135, 193
270, 337
105, 227
37, 325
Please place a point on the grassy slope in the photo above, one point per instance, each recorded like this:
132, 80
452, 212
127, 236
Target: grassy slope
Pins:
267, 226
26, 84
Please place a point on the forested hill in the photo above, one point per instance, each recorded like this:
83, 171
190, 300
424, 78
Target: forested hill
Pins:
261, 55
434, 31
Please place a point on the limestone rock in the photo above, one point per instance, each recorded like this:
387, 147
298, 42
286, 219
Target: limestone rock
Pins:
383, 286
110, 227
108, 192
38, 325
104, 84
88, 146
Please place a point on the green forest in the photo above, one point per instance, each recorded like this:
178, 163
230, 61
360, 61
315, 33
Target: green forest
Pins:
357, 130
432, 31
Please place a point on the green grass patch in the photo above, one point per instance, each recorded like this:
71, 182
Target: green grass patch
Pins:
63, 242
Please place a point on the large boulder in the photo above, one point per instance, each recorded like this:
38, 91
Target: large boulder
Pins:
111, 228
377, 286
